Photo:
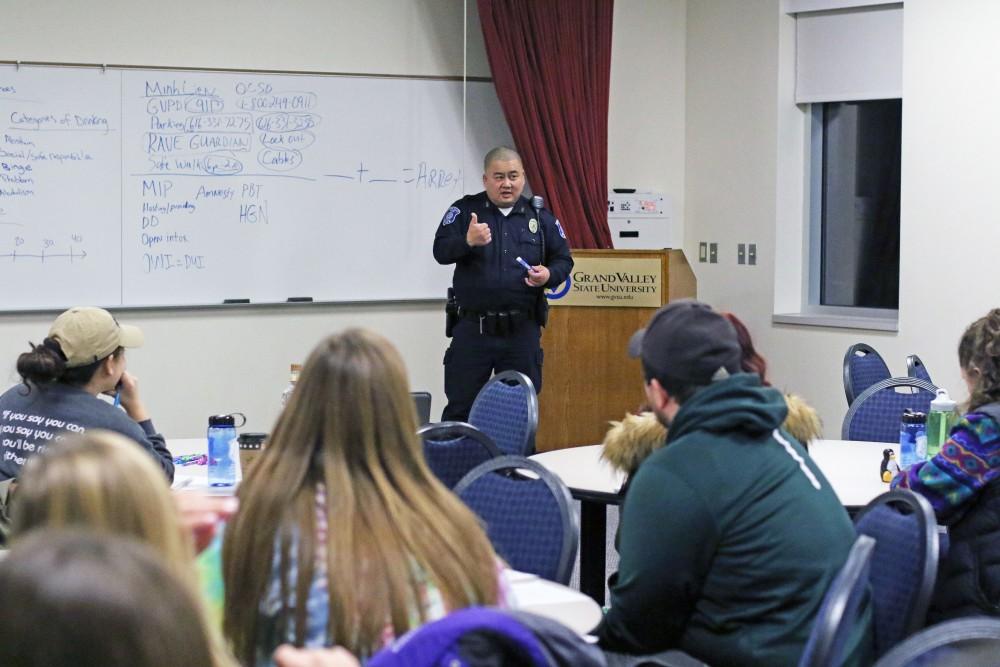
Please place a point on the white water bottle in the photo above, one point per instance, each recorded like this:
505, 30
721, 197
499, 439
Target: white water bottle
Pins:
293, 377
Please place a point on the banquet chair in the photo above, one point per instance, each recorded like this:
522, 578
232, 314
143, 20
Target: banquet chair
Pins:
452, 449
904, 566
973, 641
863, 367
506, 409
875, 414
528, 514
422, 402
916, 369
843, 608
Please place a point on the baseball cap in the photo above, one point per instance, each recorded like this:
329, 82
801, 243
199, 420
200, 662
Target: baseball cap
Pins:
88, 334
687, 341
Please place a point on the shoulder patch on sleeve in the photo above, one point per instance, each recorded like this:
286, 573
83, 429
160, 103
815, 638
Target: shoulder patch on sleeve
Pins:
559, 227
450, 216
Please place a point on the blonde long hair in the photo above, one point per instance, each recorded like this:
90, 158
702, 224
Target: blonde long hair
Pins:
103, 482
350, 426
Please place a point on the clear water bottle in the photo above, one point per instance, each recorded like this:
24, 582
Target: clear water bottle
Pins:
912, 438
293, 377
940, 419
222, 450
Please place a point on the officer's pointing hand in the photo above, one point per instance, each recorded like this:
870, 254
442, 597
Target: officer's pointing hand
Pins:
479, 232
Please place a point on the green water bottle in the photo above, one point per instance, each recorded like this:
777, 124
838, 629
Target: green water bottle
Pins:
940, 419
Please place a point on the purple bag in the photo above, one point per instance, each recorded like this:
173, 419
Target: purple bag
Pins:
473, 637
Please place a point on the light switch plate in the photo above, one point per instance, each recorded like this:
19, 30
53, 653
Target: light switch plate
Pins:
752, 254
713, 253
741, 253
703, 252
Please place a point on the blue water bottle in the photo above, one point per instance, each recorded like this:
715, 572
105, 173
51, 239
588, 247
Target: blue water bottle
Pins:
912, 438
222, 449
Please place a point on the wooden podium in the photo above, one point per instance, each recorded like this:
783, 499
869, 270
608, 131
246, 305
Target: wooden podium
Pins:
589, 379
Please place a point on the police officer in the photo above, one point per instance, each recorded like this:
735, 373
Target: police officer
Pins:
501, 306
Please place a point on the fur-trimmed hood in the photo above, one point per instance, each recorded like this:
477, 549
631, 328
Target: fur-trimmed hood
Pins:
628, 442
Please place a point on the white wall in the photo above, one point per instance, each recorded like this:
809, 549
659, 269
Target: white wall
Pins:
736, 84
417, 37
646, 111
200, 362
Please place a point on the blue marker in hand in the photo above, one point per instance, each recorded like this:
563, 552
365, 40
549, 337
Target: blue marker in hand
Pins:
527, 267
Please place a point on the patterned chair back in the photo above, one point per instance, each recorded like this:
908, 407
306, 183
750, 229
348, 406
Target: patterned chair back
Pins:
842, 609
452, 449
916, 369
863, 367
904, 568
970, 642
876, 413
528, 514
506, 409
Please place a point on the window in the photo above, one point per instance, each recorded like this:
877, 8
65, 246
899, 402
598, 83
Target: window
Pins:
854, 204
839, 124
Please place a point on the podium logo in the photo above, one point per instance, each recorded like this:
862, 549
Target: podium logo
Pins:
624, 282
561, 291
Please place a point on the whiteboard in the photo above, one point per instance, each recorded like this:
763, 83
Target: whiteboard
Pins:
130, 187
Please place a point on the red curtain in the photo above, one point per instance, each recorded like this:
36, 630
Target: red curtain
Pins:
551, 64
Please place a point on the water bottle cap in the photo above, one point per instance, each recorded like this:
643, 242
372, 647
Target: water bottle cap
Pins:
227, 420
222, 420
943, 402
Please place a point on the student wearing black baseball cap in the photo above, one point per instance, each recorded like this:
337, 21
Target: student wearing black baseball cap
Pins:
730, 535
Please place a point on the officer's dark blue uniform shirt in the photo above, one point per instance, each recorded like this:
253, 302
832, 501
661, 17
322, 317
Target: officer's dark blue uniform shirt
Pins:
488, 277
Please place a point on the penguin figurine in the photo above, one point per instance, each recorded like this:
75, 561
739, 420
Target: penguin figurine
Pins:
889, 468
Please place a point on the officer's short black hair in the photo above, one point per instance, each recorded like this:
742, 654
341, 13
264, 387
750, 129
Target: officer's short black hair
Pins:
501, 153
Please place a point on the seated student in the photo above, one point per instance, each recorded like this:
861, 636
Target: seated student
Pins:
729, 535
628, 442
962, 483
343, 533
76, 597
100, 481
82, 357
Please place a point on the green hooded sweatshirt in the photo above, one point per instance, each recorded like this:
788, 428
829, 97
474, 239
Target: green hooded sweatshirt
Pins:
729, 538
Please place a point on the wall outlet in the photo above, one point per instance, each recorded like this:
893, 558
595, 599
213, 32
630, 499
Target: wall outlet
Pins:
713, 253
703, 252
752, 254
741, 253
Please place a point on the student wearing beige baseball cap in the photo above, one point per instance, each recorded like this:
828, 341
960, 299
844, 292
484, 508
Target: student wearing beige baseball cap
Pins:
82, 357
